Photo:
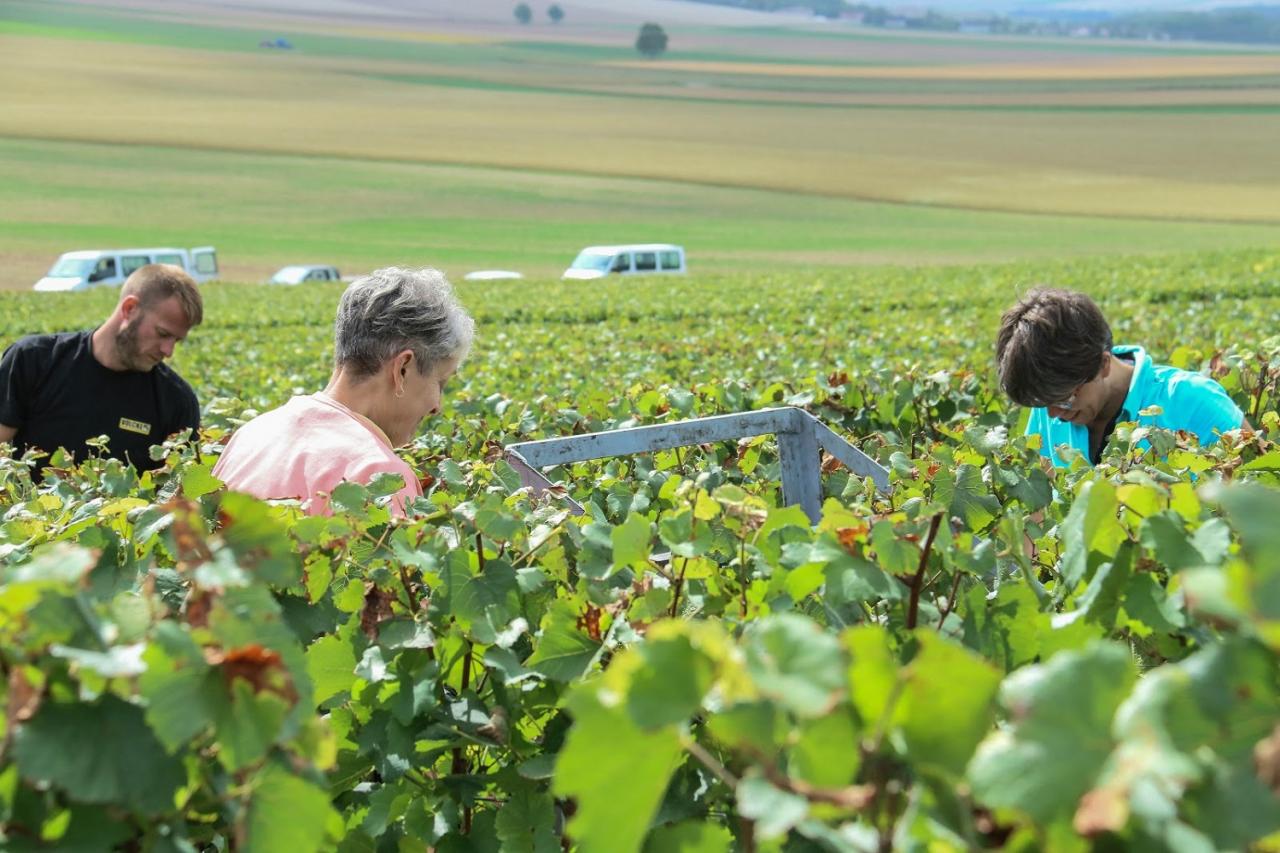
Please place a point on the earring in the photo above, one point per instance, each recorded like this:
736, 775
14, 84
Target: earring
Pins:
400, 392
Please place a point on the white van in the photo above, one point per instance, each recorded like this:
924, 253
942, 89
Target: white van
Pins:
110, 267
635, 259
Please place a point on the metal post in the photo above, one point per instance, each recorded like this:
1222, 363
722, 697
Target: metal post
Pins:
801, 466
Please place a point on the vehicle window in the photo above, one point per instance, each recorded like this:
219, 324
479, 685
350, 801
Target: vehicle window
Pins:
176, 260
670, 260
72, 268
106, 268
621, 263
646, 261
314, 275
129, 263
207, 263
590, 261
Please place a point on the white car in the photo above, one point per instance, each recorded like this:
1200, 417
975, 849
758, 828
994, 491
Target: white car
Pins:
492, 275
305, 272
110, 267
632, 259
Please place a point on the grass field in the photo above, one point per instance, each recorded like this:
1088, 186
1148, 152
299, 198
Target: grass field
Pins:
263, 211
498, 145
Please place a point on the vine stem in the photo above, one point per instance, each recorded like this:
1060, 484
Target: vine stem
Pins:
710, 762
917, 583
951, 603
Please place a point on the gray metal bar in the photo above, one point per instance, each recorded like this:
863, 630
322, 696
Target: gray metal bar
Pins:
854, 459
645, 439
532, 478
799, 434
801, 468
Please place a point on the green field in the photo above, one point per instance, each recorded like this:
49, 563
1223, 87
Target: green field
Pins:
263, 211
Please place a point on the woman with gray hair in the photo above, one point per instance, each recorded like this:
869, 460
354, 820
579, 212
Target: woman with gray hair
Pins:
398, 338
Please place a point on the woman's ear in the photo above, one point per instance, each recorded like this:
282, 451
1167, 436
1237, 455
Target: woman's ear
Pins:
1107, 358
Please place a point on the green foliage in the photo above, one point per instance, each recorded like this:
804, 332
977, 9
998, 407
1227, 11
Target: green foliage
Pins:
991, 654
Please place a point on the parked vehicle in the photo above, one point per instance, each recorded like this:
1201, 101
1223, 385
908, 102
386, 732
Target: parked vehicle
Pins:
110, 267
492, 275
633, 259
305, 272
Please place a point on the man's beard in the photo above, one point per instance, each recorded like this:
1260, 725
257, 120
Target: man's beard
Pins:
127, 349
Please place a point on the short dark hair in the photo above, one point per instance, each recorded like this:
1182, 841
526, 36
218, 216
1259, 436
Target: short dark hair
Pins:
154, 283
1050, 342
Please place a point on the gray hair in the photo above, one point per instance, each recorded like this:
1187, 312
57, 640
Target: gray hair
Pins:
394, 309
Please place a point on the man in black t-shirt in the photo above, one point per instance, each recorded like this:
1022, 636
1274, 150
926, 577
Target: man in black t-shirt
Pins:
60, 390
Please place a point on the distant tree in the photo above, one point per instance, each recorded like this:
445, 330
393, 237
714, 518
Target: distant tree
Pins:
523, 13
555, 13
652, 40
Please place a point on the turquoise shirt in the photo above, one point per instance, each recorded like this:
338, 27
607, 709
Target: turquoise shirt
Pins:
1191, 402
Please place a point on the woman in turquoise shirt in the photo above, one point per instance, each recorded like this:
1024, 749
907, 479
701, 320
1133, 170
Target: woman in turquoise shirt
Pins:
1055, 354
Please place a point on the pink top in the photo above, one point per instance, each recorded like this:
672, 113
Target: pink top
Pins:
305, 448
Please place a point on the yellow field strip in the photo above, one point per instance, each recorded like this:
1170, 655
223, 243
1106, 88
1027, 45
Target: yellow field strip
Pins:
1109, 68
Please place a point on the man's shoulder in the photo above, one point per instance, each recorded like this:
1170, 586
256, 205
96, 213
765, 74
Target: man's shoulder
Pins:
173, 381
48, 344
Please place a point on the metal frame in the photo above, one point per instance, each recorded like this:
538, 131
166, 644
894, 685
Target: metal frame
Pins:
799, 433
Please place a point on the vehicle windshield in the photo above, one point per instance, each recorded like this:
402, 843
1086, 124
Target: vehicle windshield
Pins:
290, 275
592, 261
72, 268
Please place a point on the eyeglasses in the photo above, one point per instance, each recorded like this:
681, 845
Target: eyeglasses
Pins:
1067, 405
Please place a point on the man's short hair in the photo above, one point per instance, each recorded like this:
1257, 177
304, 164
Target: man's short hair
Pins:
155, 283
1050, 342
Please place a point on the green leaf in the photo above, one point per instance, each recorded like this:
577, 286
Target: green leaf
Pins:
873, 672
826, 753
851, 579
1007, 629
966, 496
795, 663
248, 724
1252, 510
750, 725
669, 685
286, 813
616, 771
775, 811
1165, 535
1059, 735
1090, 526
526, 823
631, 542
197, 481
563, 652
480, 599
1101, 599
684, 534
181, 690
99, 753
690, 836
331, 663
947, 704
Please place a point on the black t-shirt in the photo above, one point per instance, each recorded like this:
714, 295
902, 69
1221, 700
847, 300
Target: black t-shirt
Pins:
57, 394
